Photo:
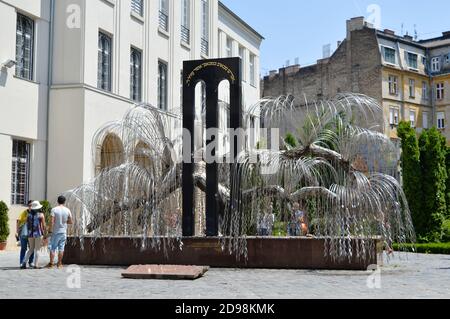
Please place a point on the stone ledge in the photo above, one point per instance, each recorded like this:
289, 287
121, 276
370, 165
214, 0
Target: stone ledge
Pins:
263, 253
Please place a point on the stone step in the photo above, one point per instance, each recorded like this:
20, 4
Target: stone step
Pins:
165, 272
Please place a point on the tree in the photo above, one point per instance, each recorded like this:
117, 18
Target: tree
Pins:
4, 226
411, 172
447, 197
434, 178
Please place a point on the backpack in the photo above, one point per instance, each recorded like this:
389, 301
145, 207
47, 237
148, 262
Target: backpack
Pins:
34, 225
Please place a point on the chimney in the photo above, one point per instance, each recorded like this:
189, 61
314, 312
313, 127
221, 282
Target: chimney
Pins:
292, 69
408, 37
446, 34
272, 74
390, 32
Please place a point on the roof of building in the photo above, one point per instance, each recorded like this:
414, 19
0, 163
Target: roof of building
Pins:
423, 44
235, 16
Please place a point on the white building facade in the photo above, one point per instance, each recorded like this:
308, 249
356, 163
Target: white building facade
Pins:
83, 63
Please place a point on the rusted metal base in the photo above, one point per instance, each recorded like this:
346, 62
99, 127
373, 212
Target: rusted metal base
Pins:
263, 252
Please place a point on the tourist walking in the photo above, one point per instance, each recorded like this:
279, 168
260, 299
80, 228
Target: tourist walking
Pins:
35, 228
22, 235
298, 222
61, 217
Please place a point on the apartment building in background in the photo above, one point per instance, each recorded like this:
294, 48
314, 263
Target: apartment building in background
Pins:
410, 78
71, 66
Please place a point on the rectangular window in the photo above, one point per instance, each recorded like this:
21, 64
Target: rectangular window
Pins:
412, 88
412, 118
104, 62
393, 116
181, 90
252, 70
186, 21
425, 120
205, 27
440, 91
393, 85
20, 173
24, 47
164, 14
229, 47
441, 120
137, 6
242, 56
435, 64
389, 55
162, 85
136, 75
411, 60
424, 90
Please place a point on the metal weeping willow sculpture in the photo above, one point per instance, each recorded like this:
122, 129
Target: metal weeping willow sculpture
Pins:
141, 196
341, 170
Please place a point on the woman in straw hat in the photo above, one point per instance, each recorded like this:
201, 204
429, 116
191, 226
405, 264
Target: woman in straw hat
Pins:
36, 228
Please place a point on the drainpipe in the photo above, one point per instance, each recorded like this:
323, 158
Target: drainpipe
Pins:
49, 83
431, 91
402, 83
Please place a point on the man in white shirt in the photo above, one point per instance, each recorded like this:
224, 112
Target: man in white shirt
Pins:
61, 217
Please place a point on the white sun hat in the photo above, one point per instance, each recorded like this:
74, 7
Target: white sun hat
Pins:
36, 205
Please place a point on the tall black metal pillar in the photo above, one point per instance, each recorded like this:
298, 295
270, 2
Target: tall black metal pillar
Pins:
188, 224
212, 174
212, 72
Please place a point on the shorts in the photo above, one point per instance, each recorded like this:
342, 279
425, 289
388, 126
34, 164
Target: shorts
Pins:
58, 242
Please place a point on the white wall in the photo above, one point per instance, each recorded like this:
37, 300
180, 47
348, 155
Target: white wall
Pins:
23, 103
78, 109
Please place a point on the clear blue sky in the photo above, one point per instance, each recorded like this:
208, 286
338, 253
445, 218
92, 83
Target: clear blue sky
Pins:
300, 28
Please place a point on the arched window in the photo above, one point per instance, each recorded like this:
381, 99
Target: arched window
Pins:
112, 152
142, 156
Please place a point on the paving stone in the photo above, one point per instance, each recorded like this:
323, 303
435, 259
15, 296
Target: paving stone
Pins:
405, 276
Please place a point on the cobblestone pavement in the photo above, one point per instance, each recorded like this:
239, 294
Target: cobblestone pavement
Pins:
404, 276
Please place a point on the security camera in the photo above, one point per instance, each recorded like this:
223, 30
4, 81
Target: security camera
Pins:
8, 64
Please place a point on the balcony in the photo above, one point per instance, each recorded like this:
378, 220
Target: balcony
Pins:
163, 21
185, 35
205, 47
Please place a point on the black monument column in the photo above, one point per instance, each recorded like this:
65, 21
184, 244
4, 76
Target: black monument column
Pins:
212, 175
212, 72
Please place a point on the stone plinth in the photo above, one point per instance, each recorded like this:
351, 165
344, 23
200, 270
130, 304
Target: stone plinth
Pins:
168, 272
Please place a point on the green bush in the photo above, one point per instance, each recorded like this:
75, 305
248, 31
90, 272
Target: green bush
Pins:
433, 153
446, 228
290, 140
447, 197
433, 248
411, 172
47, 209
4, 222
280, 229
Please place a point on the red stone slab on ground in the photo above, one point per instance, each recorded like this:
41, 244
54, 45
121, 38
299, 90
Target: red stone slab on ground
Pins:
171, 272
